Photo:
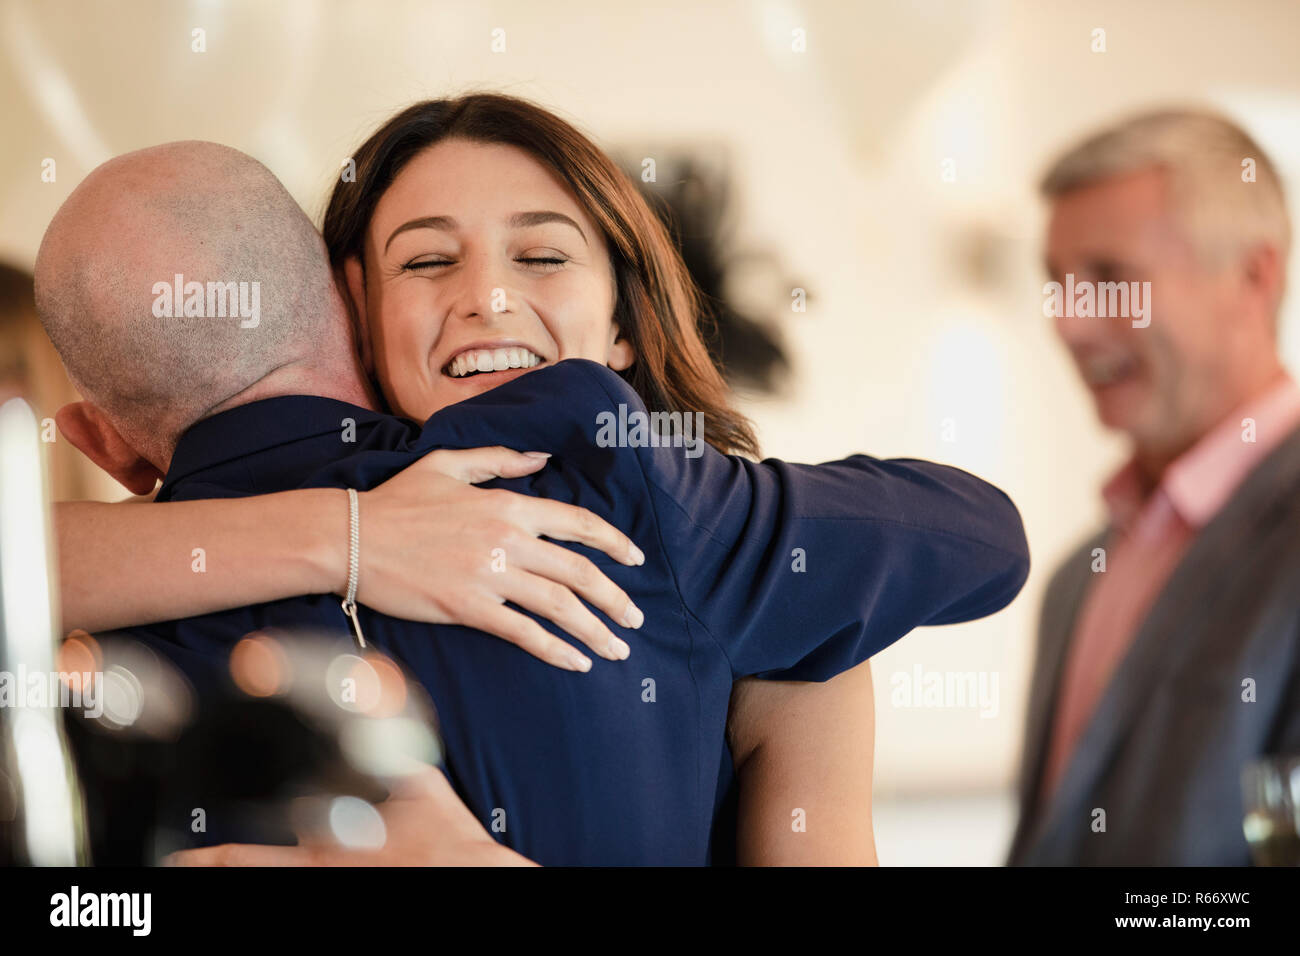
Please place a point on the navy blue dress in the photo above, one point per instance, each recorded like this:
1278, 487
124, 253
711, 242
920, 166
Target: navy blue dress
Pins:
785, 571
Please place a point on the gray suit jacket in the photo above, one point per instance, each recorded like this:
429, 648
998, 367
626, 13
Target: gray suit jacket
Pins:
1163, 753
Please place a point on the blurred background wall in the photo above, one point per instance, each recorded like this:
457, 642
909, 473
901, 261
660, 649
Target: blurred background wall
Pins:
887, 168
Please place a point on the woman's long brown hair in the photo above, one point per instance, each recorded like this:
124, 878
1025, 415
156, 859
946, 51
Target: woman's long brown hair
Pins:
658, 308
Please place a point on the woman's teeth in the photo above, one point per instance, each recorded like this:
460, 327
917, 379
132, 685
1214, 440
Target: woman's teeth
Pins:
491, 360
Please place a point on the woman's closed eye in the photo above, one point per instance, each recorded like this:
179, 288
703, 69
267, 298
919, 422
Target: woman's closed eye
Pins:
539, 263
426, 264
545, 263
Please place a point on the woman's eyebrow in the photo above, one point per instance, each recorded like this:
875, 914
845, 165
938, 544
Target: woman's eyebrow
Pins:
521, 219
443, 223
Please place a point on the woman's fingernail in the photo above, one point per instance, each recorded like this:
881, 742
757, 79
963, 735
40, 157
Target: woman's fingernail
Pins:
619, 649
637, 556
579, 662
538, 454
633, 617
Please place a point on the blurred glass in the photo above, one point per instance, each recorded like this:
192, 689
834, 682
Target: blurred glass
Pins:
1271, 797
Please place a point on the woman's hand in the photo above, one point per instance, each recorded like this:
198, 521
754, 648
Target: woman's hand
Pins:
434, 548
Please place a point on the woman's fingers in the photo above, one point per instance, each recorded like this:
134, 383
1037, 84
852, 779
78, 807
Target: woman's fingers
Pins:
528, 635
565, 522
556, 603
580, 576
473, 465
541, 516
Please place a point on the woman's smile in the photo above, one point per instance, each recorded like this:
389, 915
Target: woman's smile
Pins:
479, 366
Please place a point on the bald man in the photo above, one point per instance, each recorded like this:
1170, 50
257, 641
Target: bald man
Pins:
99, 254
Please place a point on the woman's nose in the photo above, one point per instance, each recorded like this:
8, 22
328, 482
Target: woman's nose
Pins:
482, 291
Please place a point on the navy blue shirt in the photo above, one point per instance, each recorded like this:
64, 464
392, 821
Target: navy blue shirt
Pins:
785, 571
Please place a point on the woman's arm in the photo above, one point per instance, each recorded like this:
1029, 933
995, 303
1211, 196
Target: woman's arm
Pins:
799, 572
433, 548
803, 754
138, 562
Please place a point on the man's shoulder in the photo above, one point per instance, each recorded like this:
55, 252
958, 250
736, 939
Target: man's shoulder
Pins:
275, 444
569, 384
557, 409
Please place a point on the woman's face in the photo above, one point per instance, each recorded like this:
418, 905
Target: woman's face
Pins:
480, 266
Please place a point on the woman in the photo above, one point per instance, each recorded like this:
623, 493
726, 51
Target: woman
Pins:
483, 238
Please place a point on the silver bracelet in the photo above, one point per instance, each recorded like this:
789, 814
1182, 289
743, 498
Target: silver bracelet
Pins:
354, 564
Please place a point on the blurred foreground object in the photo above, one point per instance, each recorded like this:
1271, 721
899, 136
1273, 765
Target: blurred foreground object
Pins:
291, 733
1270, 790
40, 804
31, 369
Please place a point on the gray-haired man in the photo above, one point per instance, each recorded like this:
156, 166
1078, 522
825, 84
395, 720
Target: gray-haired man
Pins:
1167, 651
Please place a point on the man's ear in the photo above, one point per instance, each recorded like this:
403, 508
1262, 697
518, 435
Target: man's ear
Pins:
354, 282
89, 429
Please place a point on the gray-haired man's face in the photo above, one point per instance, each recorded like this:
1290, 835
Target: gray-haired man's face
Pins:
1154, 372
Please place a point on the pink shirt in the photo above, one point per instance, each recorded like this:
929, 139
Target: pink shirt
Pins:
1148, 539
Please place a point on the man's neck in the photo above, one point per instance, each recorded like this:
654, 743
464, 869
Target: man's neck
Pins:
345, 385
1152, 460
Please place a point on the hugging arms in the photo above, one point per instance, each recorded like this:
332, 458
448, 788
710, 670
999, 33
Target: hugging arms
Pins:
131, 564
726, 594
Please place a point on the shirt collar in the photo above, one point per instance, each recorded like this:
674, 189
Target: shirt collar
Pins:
257, 427
1200, 481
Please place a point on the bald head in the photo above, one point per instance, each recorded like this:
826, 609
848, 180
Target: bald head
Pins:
156, 352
